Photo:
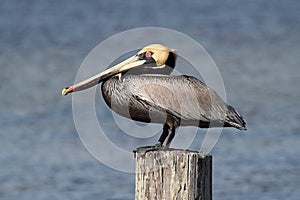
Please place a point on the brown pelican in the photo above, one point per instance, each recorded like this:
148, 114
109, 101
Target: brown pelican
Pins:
141, 88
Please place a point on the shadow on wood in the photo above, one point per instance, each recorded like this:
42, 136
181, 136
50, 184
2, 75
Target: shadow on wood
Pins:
173, 174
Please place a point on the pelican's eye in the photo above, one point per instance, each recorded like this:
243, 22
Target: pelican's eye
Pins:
148, 54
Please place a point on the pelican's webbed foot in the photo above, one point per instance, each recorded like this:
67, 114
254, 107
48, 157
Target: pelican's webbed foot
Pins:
146, 149
158, 146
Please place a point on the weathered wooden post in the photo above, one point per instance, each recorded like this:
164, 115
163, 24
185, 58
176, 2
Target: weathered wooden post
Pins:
173, 174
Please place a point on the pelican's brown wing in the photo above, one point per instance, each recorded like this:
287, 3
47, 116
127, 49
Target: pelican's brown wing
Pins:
185, 98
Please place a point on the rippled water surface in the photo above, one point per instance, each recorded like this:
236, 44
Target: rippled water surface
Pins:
255, 44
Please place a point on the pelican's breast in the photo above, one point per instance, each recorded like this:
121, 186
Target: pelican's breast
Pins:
122, 96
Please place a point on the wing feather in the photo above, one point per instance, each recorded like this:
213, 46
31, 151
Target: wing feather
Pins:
184, 97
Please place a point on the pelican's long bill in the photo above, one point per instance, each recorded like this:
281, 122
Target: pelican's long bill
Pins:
124, 66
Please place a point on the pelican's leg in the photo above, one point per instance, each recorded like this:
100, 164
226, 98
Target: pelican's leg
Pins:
171, 136
158, 145
163, 136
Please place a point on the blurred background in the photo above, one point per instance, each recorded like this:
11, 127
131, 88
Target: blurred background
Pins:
255, 44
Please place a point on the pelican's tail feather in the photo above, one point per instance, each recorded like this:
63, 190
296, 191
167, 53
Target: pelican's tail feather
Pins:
234, 119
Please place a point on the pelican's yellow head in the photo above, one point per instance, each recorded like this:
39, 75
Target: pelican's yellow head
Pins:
160, 54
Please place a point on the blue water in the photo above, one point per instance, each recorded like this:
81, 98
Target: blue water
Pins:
254, 43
